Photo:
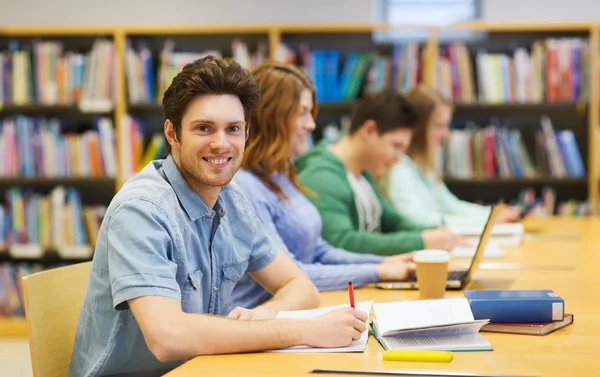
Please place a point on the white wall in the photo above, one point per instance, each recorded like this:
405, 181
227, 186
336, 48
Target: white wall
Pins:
541, 10
136, 12
128, 12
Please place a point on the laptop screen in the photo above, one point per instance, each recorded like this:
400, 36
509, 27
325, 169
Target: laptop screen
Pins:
483, 240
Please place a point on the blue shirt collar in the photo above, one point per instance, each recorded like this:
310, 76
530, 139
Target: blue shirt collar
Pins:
190, 201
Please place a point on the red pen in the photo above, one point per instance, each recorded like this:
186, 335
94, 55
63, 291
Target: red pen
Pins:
351, 293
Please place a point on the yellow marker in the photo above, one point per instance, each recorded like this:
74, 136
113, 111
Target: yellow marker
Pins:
425, 356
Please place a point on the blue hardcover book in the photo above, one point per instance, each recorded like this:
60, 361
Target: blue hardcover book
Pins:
516, 306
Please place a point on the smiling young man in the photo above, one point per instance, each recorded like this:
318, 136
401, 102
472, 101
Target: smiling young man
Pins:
178, 237
355, 215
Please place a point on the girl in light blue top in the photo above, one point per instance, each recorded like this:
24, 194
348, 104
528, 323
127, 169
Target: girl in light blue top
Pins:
414, 186
279, 126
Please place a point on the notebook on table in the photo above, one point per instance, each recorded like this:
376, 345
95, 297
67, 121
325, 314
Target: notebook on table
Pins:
356, 346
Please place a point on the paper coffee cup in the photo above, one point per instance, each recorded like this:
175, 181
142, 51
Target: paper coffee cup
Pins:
432, 272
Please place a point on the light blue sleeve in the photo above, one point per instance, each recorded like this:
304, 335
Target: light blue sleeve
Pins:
139, 245
409, 194
324, 275
327, 254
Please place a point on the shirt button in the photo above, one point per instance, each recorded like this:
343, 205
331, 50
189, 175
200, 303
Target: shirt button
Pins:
238, 276
216, 289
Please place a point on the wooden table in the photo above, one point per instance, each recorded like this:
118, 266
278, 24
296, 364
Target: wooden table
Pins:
570, 245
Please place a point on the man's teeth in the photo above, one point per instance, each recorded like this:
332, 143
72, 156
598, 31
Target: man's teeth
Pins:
217, 161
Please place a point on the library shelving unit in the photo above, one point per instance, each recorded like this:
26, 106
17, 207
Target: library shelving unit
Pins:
57, 118
146, 57
561, 86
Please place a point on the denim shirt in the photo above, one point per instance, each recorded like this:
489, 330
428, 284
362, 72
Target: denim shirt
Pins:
158, 238
295, 227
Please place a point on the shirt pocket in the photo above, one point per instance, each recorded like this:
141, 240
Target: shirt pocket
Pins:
192, 293
232, 274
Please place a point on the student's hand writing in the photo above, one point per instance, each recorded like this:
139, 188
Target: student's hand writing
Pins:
338, 328
439, 238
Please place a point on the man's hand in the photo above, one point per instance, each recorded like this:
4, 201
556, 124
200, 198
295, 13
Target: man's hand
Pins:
256, 314
440, 238
396, 267
338, 328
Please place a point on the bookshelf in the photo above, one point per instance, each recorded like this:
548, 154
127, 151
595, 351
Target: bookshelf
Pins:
137, 47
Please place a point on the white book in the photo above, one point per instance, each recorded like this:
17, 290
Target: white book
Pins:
356, 346
492, 250
446, 325
502, 234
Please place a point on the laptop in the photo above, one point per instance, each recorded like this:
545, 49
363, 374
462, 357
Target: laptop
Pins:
458, 279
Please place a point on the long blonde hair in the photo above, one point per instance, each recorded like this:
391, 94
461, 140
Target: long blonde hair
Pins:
424, 99
268, 148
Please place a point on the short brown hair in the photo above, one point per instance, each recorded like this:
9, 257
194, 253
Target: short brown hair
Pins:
388, 108
209, 75
268, 150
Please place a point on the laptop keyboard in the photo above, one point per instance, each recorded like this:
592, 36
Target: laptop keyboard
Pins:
452, 275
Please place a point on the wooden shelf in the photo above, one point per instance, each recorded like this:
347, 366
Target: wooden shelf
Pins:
516, 181
13, 327
55, 181
36, 109
92, 190
50, 258
508, 107
145, 108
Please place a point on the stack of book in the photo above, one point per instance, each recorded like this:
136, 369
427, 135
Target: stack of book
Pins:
529, 312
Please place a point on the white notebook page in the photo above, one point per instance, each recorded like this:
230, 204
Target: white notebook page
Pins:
356, 346
419, 314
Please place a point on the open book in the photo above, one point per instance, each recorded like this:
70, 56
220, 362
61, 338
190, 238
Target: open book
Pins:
436, 325
356, 346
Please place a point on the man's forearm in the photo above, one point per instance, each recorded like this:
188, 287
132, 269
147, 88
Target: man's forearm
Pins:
299, 293
198, 334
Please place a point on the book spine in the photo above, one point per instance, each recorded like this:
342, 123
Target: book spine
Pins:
519, 311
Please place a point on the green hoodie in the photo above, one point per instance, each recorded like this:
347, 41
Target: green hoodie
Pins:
324, 174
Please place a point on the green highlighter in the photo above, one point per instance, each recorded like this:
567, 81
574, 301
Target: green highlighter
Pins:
418, 356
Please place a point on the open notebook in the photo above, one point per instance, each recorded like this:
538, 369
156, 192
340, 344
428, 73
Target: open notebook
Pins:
356, 346
436, 325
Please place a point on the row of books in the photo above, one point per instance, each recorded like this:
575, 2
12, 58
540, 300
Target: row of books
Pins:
545, 204
344, 78
147, 83
32, 223
11, 290
497, 151
551, 70
44, 72
133, 156
41, 147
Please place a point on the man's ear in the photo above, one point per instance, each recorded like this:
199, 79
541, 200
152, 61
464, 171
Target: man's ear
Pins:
368, 129
170, 134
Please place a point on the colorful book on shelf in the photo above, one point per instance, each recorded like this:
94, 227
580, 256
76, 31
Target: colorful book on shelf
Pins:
41, 147
549, 70
436, 325
539, 329
516, 306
